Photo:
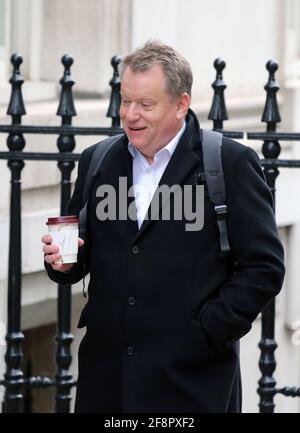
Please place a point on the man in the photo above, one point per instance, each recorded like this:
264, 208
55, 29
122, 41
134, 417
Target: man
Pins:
165, 312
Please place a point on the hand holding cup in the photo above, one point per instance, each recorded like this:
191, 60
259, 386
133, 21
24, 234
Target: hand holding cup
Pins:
62, 242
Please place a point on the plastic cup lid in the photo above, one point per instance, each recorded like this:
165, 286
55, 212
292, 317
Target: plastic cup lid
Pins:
68, 219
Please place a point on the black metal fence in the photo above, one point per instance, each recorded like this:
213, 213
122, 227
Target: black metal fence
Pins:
14, 380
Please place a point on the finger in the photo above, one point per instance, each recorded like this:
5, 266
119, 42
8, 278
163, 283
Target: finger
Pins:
50, 249
46, 239
80, 242
52, 258
57, 266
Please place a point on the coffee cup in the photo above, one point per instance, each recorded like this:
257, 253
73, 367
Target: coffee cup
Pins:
64, 233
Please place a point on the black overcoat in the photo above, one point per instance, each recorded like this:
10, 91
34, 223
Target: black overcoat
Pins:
165, 313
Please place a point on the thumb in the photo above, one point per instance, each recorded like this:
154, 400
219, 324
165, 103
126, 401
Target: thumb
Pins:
80, 242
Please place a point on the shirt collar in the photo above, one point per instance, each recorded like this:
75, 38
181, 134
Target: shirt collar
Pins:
170, 147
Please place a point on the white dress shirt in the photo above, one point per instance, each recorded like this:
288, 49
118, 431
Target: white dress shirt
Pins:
146, 176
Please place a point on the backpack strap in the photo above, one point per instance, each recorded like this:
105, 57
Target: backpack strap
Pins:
102, 149
211, 147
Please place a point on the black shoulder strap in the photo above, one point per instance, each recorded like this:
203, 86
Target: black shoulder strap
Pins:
99, 154
211, 147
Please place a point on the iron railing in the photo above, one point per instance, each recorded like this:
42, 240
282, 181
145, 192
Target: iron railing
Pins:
14, 380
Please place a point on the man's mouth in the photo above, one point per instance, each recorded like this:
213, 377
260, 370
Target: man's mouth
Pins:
136, 129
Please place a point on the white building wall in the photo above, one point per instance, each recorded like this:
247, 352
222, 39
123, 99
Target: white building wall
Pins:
246, 34
92, 31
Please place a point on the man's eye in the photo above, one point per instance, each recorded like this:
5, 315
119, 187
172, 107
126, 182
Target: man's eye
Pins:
146, 105
125, 102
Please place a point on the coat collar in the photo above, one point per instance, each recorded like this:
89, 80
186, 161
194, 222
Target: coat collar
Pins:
185, 157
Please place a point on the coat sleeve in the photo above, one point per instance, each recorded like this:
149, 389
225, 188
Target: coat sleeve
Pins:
80, 269
256, 248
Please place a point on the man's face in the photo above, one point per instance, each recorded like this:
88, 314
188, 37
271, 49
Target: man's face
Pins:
150, 116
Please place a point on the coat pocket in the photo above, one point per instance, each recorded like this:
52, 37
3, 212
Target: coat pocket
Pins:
82, 318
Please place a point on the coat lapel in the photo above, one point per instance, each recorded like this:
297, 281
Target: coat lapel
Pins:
121, 168
133, 223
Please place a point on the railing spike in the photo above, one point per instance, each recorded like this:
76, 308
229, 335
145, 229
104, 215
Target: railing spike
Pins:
115, 97
271, 111
66, 107
218, 112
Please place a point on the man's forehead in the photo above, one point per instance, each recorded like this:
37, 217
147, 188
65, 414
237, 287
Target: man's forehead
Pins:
150, 79
143, 69
152, 72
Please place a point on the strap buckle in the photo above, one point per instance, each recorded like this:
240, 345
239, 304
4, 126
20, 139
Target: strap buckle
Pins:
221, 210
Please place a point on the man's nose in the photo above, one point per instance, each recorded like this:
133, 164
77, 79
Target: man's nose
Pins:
132, 112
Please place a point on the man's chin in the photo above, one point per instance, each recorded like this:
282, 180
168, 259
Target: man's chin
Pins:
137, 142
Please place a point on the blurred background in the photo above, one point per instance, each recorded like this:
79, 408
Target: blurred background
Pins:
246, 34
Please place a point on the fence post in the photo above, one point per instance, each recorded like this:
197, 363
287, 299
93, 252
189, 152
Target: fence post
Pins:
267, 345
64, 338
14, 376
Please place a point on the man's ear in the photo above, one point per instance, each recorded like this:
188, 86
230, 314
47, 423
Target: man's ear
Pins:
183, 104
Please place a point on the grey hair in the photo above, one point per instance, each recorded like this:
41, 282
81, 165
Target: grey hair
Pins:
177, 70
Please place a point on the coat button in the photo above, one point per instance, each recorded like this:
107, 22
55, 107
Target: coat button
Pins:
130, 350
131, 300
135, 249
